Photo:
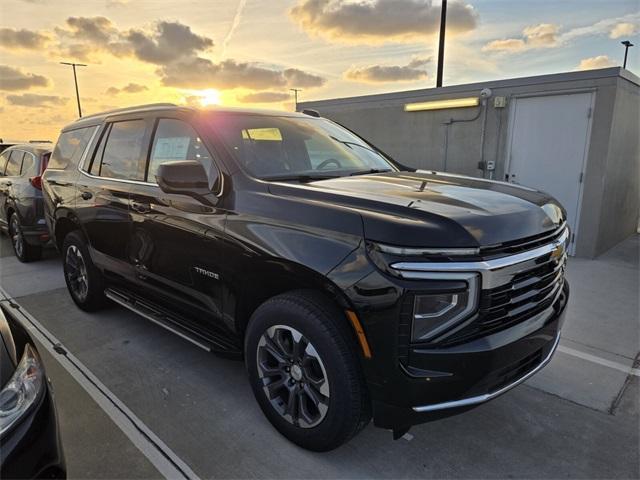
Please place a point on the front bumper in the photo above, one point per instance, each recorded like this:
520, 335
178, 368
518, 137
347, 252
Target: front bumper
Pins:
455, 379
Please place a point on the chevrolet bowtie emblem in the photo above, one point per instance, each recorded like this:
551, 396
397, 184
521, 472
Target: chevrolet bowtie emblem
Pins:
558, 251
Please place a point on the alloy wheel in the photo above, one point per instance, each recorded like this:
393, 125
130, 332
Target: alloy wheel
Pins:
76, 271
293, 376
16, 236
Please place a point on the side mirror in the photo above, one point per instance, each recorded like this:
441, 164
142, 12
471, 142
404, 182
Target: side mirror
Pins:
186, 177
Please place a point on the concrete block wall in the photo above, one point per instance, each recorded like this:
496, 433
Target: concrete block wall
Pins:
423, 140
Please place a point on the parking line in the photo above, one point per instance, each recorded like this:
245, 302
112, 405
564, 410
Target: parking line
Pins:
600, 361
150, 445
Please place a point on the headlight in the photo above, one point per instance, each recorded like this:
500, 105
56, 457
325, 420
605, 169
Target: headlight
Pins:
22, 391
434, 313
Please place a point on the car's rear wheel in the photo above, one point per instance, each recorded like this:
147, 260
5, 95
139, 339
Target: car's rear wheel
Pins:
24, 251
84, 280
304, 370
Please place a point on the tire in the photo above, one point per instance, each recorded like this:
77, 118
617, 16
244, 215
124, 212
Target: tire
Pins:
84, 280
23, 250
343, 407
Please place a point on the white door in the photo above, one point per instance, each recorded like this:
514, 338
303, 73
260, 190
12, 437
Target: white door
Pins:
548, 147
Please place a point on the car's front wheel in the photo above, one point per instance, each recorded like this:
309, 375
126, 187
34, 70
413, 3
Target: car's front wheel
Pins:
24, 251
304, 370
84, 280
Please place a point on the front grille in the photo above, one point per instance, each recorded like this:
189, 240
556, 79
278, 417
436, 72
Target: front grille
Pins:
528, 293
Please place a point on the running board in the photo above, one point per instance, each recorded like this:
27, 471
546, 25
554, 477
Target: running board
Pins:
169, 321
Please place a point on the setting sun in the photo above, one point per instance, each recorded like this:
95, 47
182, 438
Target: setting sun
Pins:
209, 97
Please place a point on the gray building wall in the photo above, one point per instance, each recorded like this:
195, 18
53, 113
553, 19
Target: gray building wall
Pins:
620, 205
450, 140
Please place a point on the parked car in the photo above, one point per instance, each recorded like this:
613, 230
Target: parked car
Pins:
352, 287
21, 206
4, 145
29, 434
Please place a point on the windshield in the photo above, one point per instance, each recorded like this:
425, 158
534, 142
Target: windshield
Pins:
294, 148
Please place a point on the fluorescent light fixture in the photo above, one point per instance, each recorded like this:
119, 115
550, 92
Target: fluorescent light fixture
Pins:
442, 104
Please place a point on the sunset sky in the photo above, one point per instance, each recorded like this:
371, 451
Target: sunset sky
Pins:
251, 52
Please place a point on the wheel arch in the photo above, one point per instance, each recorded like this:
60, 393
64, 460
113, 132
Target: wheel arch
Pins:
284, 277
64, 224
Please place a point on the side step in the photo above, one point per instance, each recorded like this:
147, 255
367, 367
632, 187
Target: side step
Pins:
174, 323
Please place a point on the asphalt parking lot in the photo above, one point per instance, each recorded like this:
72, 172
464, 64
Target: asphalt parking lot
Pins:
135, 401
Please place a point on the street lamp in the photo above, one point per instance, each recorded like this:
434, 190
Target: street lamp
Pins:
75, 80
295, 96
626, 44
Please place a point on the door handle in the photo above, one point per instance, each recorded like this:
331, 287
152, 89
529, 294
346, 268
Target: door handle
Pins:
86, 195
140, 207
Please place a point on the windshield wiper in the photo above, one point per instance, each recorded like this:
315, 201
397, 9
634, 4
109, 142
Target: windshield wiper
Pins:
352, 144
371, 170
298, 178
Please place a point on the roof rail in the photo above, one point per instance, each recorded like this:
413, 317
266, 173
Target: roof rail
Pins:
127, 109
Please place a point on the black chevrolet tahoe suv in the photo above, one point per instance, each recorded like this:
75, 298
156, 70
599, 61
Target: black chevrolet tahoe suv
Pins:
352, 287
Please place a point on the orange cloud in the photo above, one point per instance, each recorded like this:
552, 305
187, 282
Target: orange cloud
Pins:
543, 35
414, 70
601, 61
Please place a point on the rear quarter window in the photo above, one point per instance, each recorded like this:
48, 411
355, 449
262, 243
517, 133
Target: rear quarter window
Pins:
69, 148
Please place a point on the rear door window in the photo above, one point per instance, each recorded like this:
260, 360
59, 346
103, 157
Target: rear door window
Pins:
15, 163
70, 147
124, 151
28, 165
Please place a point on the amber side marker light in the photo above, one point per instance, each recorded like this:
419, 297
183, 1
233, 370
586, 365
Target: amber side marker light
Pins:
353, 318
442, 104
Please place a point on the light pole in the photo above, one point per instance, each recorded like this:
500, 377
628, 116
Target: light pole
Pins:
75, 80
626, 44
295, 96
443, 27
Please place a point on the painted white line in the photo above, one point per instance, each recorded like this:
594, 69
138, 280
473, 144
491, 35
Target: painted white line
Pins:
150, 445
599, 360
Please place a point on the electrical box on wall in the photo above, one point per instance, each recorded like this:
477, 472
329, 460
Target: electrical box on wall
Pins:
499, 102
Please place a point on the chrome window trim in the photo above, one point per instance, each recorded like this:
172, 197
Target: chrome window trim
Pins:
494, 272
465, 402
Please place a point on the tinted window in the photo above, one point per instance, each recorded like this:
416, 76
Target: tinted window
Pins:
15, 163
70, 147
3, 162
176, 140
28, 165
123, 151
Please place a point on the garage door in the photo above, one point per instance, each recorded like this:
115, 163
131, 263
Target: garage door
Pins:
548, 146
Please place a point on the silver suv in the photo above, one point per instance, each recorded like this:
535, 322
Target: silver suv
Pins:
21, 207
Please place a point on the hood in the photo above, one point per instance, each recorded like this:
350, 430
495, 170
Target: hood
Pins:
429, 209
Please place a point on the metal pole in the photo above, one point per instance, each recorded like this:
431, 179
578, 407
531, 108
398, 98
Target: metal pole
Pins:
75, 81
295, 95
443, 27
626, 44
